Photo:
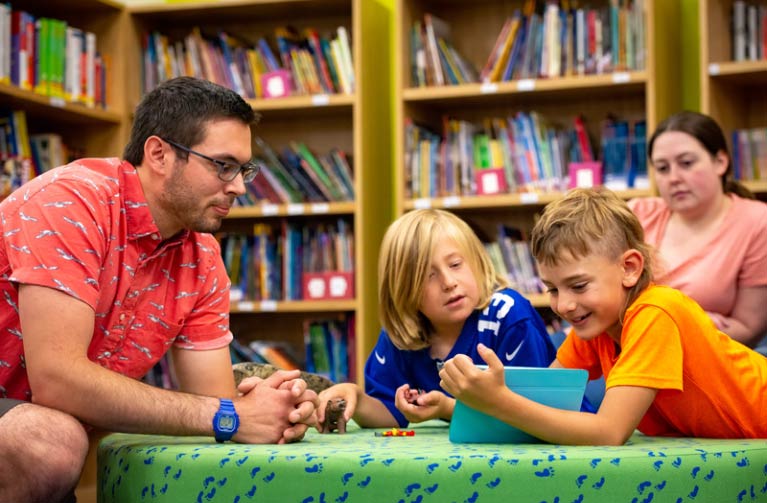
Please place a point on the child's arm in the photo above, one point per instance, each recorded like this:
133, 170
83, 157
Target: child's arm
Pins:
423, 406
366, 411
618, 416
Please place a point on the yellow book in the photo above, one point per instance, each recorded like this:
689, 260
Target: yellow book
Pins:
335, 50
255, 70
500, 65
425, 165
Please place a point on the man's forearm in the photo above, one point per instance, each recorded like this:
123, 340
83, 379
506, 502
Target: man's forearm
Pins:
111, 401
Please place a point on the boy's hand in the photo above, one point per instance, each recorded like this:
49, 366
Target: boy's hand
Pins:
418, 406
473, 386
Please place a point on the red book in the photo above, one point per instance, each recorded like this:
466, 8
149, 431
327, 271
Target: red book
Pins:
583, 140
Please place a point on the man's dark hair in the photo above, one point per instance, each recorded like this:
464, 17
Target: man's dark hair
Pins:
179, 109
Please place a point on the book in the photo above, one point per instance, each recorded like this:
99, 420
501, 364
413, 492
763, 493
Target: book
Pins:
435, 28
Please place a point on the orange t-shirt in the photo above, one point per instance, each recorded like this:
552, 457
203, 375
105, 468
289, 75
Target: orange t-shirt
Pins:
708, 384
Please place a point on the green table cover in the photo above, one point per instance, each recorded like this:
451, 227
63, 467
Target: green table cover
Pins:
361, 467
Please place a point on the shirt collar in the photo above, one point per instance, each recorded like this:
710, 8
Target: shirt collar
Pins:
139, 219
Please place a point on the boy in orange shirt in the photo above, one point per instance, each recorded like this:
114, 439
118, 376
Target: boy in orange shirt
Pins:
668, 370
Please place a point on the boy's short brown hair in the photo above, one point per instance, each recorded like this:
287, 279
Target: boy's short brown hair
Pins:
403, 267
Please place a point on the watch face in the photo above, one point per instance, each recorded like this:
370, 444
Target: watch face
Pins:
226, 422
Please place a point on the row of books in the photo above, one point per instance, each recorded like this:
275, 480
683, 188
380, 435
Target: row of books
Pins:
434, 60
749, 154
297, 175
749, 30
51, 57
329, 349
269, 264
317, 64
559, 41
534, 155
544, 39
23, 155
511, 256
276, 353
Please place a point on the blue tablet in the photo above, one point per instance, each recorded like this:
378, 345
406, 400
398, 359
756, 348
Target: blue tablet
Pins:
560, 388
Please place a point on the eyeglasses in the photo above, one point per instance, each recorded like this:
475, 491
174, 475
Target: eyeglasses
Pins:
227, 171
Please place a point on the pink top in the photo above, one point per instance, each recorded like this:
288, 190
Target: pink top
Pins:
85, 229
735, 257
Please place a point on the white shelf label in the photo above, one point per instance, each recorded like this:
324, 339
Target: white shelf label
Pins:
57, 102
269, 209
526, 85
713, 69
296, 209
422, 204
320, 100
235, 295
451, 202
320, 207
621, 77
268, 305
246, 305
488, 88
529, 198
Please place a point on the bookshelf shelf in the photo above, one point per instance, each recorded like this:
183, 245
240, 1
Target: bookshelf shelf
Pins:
617, 83
756, 186
530, 199
539, 300
298, 306
635, 95
732, 92
44, 106
291, 210
748, 70
304, 103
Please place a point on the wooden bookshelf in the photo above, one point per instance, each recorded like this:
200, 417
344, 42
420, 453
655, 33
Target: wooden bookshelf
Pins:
732, 92
650, 94
321, 122
95, 131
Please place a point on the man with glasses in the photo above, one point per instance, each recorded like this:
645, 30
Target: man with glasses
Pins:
107, 264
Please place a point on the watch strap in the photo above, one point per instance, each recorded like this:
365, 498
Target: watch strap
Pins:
225, 408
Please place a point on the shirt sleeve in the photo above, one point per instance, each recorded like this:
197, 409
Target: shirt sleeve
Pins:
753, 271
207, 326
651, 351
58, 242
384, 374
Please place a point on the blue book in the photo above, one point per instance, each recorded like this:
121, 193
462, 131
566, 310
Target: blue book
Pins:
266, 52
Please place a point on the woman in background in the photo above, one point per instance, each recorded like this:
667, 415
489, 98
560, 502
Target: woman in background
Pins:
711, 236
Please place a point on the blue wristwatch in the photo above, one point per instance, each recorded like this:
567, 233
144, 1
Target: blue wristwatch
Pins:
226, 421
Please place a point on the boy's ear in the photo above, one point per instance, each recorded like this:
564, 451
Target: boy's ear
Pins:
632, 263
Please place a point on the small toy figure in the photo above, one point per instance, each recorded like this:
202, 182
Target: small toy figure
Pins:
396, 432
242, 370
411, 395
334, 416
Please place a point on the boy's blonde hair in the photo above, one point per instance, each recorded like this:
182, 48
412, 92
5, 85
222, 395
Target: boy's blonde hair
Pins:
589, 221
404, 264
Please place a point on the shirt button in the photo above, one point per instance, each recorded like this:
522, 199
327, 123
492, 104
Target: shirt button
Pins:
155, 237
122, 317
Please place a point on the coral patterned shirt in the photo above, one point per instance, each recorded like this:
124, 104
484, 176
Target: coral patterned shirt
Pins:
85, 229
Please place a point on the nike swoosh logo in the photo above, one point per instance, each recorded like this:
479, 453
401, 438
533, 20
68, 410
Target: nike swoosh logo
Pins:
381, 359
510, 356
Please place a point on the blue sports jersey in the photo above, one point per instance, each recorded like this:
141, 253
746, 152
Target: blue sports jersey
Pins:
510, 326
